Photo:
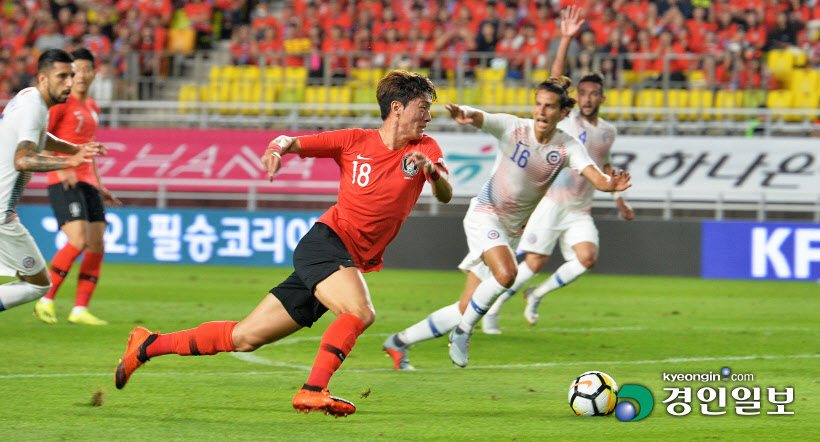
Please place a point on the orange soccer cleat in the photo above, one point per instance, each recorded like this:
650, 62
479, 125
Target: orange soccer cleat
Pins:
134, 355
314, 399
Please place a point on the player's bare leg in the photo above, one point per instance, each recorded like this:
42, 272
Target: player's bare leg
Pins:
346, 295
586, 254
527, 269
501, 262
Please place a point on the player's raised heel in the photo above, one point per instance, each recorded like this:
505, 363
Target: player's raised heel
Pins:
398, 353
459, 346
311, 398
135, 354
44, 311
531, 310
489, 324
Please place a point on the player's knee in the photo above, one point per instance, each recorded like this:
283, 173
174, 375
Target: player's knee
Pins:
37, 291
365, 314
506, 277
588, 261
244, 342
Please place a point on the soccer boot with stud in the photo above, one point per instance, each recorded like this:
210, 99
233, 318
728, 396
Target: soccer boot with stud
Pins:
459, 346
44, 311
311, 398
531, 310
398, 353
85, 317
135, 354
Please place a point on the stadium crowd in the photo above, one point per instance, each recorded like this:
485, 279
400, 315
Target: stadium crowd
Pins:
727, 40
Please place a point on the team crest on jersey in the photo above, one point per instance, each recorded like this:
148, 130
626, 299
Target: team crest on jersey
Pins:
409, 169
28, 262
493, 234
532, 238
607, 137
554, 158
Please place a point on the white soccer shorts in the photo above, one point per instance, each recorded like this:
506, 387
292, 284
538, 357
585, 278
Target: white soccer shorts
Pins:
18, 251
551, 224
484, 231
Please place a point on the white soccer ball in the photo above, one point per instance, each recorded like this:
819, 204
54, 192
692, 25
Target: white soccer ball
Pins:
593, 393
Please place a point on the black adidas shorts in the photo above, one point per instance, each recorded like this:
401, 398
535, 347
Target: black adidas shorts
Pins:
83, 202
317, 256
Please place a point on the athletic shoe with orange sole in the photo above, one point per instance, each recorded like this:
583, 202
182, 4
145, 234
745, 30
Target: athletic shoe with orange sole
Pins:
311, 398
135, 354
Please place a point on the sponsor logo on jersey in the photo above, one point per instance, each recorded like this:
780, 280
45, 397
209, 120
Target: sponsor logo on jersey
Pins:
554, 158
409, 169
28, 262
493, 234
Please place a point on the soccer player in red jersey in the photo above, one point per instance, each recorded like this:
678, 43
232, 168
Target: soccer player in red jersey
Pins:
78, 199
383, 172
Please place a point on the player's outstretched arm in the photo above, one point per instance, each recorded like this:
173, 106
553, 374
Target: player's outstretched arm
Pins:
438, 179
466, 115
571, 23
27, 158
616, 182
272, 158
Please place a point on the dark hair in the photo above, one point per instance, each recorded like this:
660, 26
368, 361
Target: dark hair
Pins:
84, 54
593, 78
558, 86
402, 86
51, 56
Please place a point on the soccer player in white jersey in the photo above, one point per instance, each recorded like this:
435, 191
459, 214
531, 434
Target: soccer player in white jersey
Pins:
563, 216
23, 136
532, 152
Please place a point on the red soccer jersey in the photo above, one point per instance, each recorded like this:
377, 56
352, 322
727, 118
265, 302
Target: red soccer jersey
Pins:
75, 122
376, 192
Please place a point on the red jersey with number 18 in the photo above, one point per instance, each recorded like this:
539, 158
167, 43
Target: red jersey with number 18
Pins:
75, 122
377, 191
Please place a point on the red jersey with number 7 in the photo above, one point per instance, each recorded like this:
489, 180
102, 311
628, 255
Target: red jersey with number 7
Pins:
75, 122
377, 190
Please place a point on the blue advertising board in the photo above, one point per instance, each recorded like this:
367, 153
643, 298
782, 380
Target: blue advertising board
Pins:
756, 250
185, 236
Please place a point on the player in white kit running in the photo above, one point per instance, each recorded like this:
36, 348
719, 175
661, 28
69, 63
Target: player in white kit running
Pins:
563, 216
532, 153
23, 136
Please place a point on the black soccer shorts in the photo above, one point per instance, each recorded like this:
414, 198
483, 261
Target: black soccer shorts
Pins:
317, 256
83, 202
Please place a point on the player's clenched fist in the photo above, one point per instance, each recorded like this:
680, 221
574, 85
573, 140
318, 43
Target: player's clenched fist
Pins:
421, 161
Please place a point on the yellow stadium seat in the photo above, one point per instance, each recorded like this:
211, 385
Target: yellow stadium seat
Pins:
368, 76
754, 98
626, 99
809, 100
517, 96
611, 98
804, 81
181, 41
539, 75
445, 95
365, 95
780, 100
342, 96
188, 93
699, 101
630, 77
678, 100
470, 96
648, 98
726, 99
780, 62
490, 74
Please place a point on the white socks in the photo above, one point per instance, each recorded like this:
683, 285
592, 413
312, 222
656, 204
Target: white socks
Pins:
438, 324
568, 272
15, 293
483, 297
524, 276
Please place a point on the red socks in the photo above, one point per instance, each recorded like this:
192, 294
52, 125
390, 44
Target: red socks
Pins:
209, 338
89, 273
338, 340
60, 265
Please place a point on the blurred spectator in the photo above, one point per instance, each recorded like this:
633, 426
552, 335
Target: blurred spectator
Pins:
200, 15
102, 89
753, 75
315, 63
784, 33
270, 48
242, 47
96, 42
756, 34
51, 38
508, 49
698, 27
603, 28
262, 19
336, 47
229, 15
533, 48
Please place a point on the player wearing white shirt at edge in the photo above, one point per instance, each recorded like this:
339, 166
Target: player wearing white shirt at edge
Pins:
532, 152
23, 136
563, 216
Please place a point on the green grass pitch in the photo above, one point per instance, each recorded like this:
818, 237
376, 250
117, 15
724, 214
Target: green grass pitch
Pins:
515, 388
